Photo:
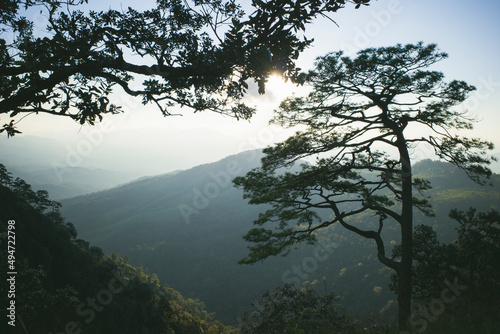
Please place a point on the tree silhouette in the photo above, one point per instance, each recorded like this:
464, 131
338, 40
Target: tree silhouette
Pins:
292, 309
360, 123
468, 264
190, 54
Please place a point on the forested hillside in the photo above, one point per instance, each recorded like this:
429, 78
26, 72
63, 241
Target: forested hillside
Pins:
62, 284
187, 227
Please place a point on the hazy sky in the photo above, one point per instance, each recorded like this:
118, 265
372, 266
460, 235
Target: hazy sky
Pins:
143, 140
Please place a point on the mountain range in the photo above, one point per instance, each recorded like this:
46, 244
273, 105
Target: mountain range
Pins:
188, 227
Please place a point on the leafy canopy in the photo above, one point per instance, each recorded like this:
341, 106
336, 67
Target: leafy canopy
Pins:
469, 261
471, 257
290, 309
357, 129
197, 54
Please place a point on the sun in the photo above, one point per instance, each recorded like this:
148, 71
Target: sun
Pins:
275, 81
277, 86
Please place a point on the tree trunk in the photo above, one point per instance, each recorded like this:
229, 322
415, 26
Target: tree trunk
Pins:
404, 272
404, 279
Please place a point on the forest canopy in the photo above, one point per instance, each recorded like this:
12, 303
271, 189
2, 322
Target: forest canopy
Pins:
62, 282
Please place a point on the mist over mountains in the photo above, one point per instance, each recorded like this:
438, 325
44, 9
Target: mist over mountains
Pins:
187, 227
82, 164
99, 158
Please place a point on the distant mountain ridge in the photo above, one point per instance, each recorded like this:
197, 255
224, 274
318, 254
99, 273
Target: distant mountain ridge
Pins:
50, 165
187, 227
71, 181
184, 193
176, 212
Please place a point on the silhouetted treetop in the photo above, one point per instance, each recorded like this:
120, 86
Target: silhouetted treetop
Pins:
358, 128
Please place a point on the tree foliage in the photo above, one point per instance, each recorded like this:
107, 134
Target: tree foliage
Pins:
471, 257
196, 54
358, 127
290, 309
355, 120
470, 261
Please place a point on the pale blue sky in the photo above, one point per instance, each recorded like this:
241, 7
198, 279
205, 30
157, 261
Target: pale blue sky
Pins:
468, 31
